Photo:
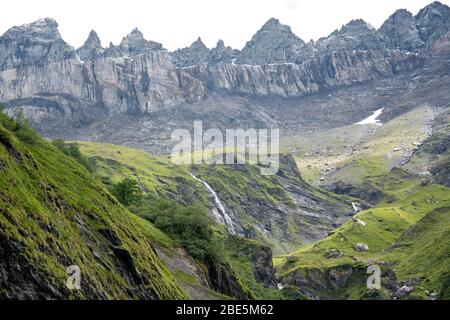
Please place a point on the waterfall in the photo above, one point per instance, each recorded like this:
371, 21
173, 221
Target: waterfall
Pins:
219, 211
355, 207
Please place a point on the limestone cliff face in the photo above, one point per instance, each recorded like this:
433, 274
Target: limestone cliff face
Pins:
74, 89
35, 43
48, 79
292, 80
109, 86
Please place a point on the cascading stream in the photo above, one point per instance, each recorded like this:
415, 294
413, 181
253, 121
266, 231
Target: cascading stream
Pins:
220, 213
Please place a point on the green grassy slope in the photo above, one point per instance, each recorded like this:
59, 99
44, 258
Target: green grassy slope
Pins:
156, 175
161, 179
409, 233
281, 210
53, 214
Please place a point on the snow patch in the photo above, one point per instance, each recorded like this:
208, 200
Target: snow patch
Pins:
373, 119
79, 59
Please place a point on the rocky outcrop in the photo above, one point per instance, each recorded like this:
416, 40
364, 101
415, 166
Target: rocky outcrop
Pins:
75, 90
133, 44
35, 43
433, 21
92, 48
222, 54
222, 278
194, 55
50, 80
273, 43
400, 31
356, 35
291, 80
338, 281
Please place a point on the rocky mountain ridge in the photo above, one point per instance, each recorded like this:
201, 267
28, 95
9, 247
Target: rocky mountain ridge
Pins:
50, 81
273, 43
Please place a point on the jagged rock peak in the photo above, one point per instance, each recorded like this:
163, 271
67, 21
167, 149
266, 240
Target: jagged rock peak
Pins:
92, 47
222, 54
45, 28
274, 42
274, 24
356, 26
401, 32
133, 44
93, 39
133, 37
36, 42
220, 44
136, 42
198, 44
433, 21
355, 35
196, 53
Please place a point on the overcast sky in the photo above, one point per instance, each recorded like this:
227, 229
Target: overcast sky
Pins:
177, 23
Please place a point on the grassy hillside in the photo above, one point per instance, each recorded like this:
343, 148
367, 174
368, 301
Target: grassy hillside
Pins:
160, 180
53, 214
282, 209
408, 234
352, 153
156, 175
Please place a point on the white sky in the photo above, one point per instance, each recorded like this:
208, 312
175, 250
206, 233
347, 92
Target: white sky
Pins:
177, 23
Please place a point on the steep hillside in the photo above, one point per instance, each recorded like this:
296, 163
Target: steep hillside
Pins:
402, 236
54, 214
282, 209
432, 158
227, 271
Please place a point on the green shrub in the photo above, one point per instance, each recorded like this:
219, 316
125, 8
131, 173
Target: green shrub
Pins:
23, 129
73, 150
128, 192
191, 226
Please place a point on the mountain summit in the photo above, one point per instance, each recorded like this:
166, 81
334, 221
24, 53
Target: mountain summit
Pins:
133, 44
92, 47
274, 42
31, 43
400, 28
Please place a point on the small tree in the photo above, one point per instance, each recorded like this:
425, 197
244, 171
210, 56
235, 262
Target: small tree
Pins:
73, 150
128, 192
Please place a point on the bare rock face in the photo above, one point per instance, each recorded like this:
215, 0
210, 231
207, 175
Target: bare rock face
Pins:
356, 35
293, 80
92, 48
433, 21
442, 46
72, 89
401, 31
133, 44
37, 42
196, 54
273, 43
49, 80
222, 54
